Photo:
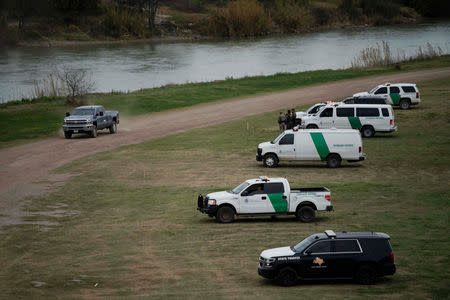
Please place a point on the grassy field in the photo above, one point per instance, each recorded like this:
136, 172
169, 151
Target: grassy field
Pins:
20, 122
128, 224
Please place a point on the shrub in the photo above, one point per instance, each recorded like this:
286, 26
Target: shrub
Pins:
287, 14
322, 15
384, 8
118, 22
349, 8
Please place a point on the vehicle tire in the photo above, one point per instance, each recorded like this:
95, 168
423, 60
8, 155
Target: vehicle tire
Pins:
312, 126
67, 134
225, 214
94, 132
270, 161
334, 161
113, 128
367, 131
306, 214
366, 275
286, 277
404, 104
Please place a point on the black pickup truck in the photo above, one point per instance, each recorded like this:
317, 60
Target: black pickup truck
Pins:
89, 119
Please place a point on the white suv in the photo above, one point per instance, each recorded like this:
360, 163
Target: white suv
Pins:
401, 94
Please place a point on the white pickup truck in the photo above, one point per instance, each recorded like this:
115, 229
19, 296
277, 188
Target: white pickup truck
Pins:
265, 196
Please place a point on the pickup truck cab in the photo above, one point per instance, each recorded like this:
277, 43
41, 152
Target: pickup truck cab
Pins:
329, 145
363, 256
402, 94
265, 196
310, 111
90, 119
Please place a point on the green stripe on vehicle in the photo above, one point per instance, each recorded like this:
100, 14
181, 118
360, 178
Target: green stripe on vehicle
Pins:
395, 98
279, 204
355, 122
321, 145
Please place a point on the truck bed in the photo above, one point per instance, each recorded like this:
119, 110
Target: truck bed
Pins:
312, 189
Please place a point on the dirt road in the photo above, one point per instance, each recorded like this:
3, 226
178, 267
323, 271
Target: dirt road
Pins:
25, 170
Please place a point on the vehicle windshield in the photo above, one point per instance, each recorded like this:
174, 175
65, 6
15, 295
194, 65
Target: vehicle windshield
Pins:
277, 138
313, 109
300, 247
373, 90
319, 110
83, 112
240, 188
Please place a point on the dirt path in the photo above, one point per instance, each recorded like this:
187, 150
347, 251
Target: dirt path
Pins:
25, 170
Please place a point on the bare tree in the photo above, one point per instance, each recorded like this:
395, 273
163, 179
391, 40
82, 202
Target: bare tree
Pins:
152, 9
76, 83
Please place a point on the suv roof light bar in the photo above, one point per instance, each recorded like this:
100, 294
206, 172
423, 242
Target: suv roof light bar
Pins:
330, 233
264, 178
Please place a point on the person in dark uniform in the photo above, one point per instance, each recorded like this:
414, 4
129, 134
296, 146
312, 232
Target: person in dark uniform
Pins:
294, 118
288, 119
282, 122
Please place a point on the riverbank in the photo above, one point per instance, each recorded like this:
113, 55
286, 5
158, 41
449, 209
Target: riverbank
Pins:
23, 121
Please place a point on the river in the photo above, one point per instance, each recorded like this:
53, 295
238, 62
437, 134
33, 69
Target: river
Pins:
132, 66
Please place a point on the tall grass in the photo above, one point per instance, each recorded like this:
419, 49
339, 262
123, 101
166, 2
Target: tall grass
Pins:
289, 15
120, 22
382, 55
50, 86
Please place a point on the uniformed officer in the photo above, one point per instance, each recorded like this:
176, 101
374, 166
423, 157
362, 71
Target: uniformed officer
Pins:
282, 122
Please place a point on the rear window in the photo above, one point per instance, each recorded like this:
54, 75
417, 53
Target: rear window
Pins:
346, 246
288, 139
395, 89
382, 90
328, 112
385, 112
367, 112
380, 246
274, 188
408, 89
345, 112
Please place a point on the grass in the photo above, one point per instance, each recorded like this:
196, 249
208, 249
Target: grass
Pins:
137, 233
22, 122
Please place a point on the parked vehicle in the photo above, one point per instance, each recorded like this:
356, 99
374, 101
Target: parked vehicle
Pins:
329, 145
402, 94
364, 100
90, 119
265, 197
368, 118
312, 110
363, 256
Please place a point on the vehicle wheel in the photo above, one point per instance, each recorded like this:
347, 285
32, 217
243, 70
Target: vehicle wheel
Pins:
68, 134
306, 214
270, 161
312, 126
225, 214
367, 131
286, 277
404, 104
333, 161
113, 128
94, 132
366, 275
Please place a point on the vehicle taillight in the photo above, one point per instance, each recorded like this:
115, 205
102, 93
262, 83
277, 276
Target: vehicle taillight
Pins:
392, 122
417, 95
360, 149
392, 257
328, 197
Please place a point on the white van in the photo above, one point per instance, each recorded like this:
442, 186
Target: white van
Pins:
368, 118
330, 145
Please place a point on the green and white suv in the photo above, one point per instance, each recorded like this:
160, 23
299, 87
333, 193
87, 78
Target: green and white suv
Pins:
402, 94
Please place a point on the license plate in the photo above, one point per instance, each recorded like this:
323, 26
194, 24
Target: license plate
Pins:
75, 131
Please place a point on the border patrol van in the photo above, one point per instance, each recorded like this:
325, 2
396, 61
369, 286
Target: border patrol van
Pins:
330, 145
368, 118
401, 94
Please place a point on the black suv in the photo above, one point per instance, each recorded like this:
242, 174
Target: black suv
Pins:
364, 100
363, 256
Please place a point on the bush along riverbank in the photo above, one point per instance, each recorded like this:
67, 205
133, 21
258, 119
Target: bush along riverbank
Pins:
22, 121
40, 22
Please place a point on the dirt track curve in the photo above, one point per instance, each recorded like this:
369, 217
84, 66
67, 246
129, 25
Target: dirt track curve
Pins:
25, 170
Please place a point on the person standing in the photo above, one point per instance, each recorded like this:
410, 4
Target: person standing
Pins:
294, 118
288, 119
282, 122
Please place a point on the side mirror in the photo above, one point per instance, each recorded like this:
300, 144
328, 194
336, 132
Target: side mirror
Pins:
101, 114
244, 193
308, 252
67, 114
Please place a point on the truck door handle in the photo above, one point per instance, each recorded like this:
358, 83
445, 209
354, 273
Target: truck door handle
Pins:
284, 197
264, 197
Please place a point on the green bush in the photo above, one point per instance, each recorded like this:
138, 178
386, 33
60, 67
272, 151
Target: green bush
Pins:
322, 15
287, 14
118, 22
383, 8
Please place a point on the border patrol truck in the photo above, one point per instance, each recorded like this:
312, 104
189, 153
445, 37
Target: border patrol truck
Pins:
329, 145
368, 118
401, 94
265, 197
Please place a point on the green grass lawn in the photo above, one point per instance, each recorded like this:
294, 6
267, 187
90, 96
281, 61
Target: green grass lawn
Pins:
21, 122
130, 225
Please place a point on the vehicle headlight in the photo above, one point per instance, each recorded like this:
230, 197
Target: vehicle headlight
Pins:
269, 261
302, 123
211, 202
89, 121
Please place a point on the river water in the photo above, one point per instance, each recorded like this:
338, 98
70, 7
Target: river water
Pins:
132, 66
